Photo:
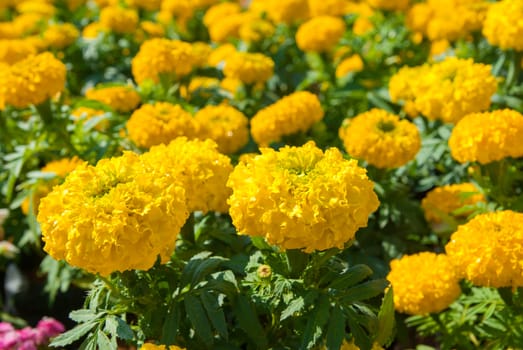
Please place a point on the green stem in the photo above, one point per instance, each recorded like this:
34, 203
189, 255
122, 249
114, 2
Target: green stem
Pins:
45, 112
187, 230
514, 68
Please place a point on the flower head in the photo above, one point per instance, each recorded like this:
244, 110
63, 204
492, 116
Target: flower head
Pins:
249, 67
380, 138
423, 283
391, 5
320, 33
487, 137
122, 99
301, 198
487, 249
119, 20
503, 26
14, 50
350, 64
59, 36
291, 114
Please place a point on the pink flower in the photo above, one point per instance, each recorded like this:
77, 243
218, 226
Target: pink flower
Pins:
9, 339
6, 327
48, 327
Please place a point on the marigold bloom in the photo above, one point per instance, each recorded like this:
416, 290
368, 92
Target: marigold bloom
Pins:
224, 124
59, 36
423, 283
220, 11
391, 5
122, 99
32, 81
149, 5
199, 166
162, 122
350, 64
92, 30
291, 114
487, 249
229, 27
282, 11
172, 58
102, 215
14, 50
201, 52
320, 33
301, 198
119, 20
503, 26
487, 137
444, 200
152, 29
219, 54
446, 90
380, 138
199, 83
327, 7
256, 30
249, 67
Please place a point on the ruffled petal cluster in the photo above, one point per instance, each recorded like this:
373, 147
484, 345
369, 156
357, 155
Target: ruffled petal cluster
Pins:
250, 68
173, 58
282, 11
291, 114
202, 170
301, 197
162, 122
446, 90
14, 50
320, 33
102, 215
487, 250
59, 36
32, 81
380, 138
423, 283
225, 125
503, 26
119, 20
391, 5
120, 98
487, 137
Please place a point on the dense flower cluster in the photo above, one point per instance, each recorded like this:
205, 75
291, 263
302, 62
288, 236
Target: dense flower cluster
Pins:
503, 26
380, 138
162, 122
172, 58
301, 198
249, 67
102, 215
224, 124
32, 81
487, 249
443, 201
487, 137
29, 338
120, 98
423, 283
446, 90
199, 166
291, 114
320, 33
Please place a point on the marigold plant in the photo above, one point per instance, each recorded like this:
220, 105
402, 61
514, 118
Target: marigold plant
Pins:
320, 33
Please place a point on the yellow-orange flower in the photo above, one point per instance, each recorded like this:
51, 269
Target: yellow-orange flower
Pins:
14, 50
301, 198
282, 11
391, 5
503, 26
119, 20
250, 68
59, 36
320, 33
120, 98
350, 64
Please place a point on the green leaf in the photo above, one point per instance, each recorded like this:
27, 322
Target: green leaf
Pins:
104, 342
74, 334
215, 313
198, 317
353, 275
294, 306
364, 291
123, 330
361, 338
386, 320
90, 343
84, 315
171, 325
335, 329
314, 328
249, 323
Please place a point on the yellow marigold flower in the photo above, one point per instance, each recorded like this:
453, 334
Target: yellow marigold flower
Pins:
351, 346
152, 29
350, 64
256, 30
224, 124
423, 283
199, 166
219, 54
172, 58
447, 90
149, 5
9, 31
32, 81
58, 36
320, 33
151, 346
199, 83
282, 11
291, 114
38, 7
445, 200
14, 50
160, 123
363, 24
201, 52
102, 215
487, 137
60, 168
393, 5
249, 67
122, 99
86, 113
327, 7
380, 138
28, 23
92, 30
301, 198
220, 11
503, 26
487, 249
438, 47
229, 27
231, 85
119, 20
